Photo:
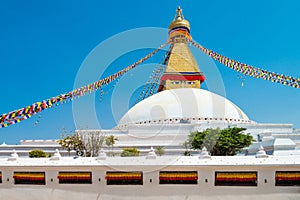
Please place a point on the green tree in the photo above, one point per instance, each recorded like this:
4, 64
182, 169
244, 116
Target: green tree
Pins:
36, 153
160, 150
128, 152
226, 142
111, 141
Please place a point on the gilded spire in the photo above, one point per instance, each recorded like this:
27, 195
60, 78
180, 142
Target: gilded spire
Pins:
182, 70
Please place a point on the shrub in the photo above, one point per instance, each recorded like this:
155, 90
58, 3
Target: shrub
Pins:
160, 150
127, 152
37, 154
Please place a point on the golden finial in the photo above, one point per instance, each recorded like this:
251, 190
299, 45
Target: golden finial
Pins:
179, 20
179, 14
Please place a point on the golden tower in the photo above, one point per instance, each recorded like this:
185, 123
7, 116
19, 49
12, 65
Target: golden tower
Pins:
182, 70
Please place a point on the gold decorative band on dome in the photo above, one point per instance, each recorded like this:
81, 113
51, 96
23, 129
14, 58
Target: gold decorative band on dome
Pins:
124, 178
178, 177
235, 178
29, 178
77, 177
287, 178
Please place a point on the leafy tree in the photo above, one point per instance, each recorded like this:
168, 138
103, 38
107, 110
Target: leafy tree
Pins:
71, 142
128, 152
36, 153
110, 141
226, 142
160, 150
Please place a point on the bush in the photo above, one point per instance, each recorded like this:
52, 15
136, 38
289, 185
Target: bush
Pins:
130, 152
37, 154
160, 150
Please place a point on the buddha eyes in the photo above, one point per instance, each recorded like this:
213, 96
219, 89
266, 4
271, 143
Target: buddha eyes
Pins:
185, 82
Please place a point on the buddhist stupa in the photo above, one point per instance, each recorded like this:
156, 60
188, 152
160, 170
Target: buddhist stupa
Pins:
179, 96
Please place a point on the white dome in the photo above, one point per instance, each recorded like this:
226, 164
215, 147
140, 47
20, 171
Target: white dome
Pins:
185, 104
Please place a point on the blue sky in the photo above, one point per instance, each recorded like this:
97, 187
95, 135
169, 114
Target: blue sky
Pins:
43, 46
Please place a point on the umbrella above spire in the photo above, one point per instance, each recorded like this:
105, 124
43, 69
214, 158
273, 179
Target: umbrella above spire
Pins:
179, 20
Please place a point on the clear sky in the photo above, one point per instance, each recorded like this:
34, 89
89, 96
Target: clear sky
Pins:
44, 45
